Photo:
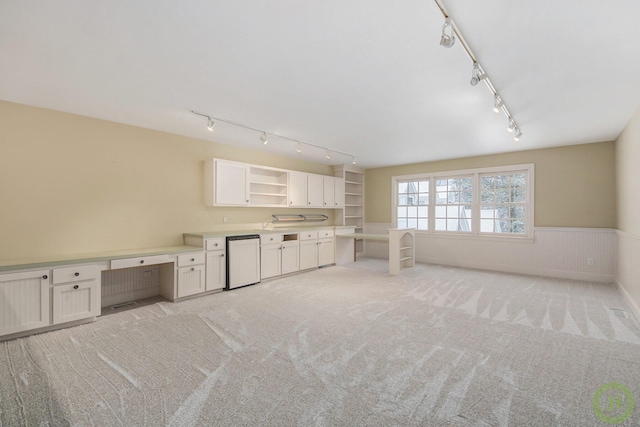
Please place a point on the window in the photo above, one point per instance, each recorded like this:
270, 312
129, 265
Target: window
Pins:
489, 201
503, 203
453, 204
412, 205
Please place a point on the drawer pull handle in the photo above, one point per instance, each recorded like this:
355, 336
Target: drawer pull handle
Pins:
45, 277
76, 274
75, 287
141, 261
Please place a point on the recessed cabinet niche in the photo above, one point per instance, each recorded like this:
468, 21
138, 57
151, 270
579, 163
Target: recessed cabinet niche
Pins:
229, 183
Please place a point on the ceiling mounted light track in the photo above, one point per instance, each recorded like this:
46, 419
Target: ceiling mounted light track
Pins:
478, 73
265, 136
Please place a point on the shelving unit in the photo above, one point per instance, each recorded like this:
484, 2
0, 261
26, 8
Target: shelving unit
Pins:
353, 212
267, 187
401, 249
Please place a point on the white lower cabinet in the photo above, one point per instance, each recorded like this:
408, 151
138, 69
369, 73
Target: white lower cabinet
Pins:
191, 280
270, 260
326, 251
216, 270
308, 254
191, 274
290, 256
75, 294
24, 301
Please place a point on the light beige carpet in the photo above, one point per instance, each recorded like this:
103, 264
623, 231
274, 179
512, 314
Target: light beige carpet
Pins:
341, 346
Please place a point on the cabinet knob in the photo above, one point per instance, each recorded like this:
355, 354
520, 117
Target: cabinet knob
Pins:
222, 255
45, 277
193, 269
215, 244
291, 202
141, 261
325, 203
247, 201
75, 287
193, 259
309, 202
76, 274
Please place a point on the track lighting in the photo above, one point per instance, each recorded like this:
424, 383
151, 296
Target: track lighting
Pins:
512, 125
447, 40
518, 134
264, 137
353, 161
476, 74
497, 103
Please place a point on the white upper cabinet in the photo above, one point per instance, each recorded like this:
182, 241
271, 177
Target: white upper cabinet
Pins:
315, 191
297, 189
329, 192
226, 183
338, 192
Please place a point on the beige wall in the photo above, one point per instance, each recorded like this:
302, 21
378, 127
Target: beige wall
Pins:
628, 187
628, 177
574, 185
71, 184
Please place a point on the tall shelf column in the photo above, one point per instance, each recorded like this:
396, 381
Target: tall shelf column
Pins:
353, 212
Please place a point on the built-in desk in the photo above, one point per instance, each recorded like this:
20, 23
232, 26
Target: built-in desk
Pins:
401, 247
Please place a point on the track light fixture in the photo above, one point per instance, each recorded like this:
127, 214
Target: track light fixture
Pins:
264, 137
353, 161
518, 134
497, 103
447, 40
476, 74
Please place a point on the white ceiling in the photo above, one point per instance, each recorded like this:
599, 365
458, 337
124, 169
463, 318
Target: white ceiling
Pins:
366, 77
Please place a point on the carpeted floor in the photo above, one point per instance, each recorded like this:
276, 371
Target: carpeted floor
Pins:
340, 346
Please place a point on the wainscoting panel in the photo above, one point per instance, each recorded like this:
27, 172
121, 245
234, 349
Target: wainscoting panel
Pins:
628, 269
554, 252
128, 284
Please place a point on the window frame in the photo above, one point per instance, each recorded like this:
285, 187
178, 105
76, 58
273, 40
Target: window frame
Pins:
475, 174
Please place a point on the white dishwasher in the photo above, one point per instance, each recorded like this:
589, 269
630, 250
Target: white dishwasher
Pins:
243, 260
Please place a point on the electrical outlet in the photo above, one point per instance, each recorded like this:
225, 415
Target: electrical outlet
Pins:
589, 261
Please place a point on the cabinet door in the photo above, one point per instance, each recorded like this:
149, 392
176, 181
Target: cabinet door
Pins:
270, 260
328, 191
315, 193
191, 280
290, 257
76, 301
338, 192
24, 301
308, 254
216, 270
297, 189
232, 183
326, 251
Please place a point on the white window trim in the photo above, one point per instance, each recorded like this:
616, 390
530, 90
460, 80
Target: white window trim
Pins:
528, 168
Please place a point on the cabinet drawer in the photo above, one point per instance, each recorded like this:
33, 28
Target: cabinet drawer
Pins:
265, 239
214, 244
191, 259
76, 302
325, 233
74, 274
137, 262
308, 235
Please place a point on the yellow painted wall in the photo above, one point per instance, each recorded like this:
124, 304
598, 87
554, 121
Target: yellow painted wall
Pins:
574, 185
71, 184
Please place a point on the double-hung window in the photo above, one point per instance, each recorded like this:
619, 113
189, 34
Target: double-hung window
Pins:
495, 201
